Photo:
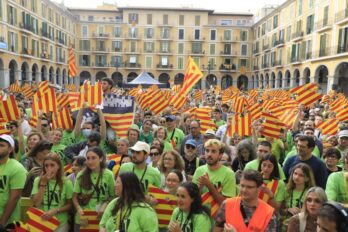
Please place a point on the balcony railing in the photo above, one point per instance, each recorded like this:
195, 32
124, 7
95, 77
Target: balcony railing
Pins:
102, 49
265, 65
117, 49
276, 63
296, 59
278, 42
255, 51
132, 65
324, 23
297, 35
342, 49
228, 67
197, 52
98, 35
256, 67
341, 15
160, 66
265, 47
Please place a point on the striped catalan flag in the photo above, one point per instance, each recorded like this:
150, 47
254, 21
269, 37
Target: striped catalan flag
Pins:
288, 117
310, 87
62, 119
342, 113
176, 88
158, 103
67, 169
239, 104
203, 115
207, 199
272, 185
72, 65
62, 100
198, 95
308, 98
271, 126
240, 125
329, 127
46, 102
43, 87
135, 91
165, 206
116, 160
120, 123
28, 91
36, 224
73, 99
255, 111
93, 221
15, 87
178, 101
192, 75
9, 109
3, 128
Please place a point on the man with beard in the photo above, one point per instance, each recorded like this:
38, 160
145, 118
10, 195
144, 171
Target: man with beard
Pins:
192, 162
107, 84
12, 181
147, 175
214, 177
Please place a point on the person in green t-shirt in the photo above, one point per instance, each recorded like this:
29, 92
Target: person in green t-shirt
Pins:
94, 186
217, 115
146, 174
162, 134
146, 133
337, 184
190, 215
58, 147
12, 181
175, 135
219, 180
129, 211
273, 189
53, 192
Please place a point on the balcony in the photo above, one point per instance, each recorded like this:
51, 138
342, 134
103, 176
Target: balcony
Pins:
277, 63
194, 39
133, 36
227, 68
196, 52
101, 49
100, 35
148, 50
256, 67
60, 41
132, 51
323, 25
164, 38
84, 63
61, 59
225, 53
226, 39
342, 49
46, 56
265, 47
328, 51
341, 17
296, 36
132, 66
116, 49
255, 51
85, 49
265, 66
26, 27
308, 55
279, 43
164, 51
164, 67
296, 60
26, 51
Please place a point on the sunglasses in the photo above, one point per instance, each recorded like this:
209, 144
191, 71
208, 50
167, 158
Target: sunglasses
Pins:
162, 121
188, 146
155, 154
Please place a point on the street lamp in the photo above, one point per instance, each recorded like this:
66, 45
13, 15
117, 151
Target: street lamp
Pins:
209, 67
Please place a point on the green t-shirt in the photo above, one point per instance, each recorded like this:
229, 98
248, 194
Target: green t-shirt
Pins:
277, 147
337, 187
167, 146
59, 196
219, 123
178, 137
12, 177
148, 176
141, 218
295, 199
280, 191
223, 178
68, 138
59, 149
106, 190
197, 223
254, 165
147, 139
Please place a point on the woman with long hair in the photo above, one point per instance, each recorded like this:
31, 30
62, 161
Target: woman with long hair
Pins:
52, 192
190, 215
162, 134
33, 138
169, 160
306, 219
94, 186
173, 181
129, 211
245, 153
300, 180
34, 164
273, 188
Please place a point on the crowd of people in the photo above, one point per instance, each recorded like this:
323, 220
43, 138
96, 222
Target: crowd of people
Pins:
297, 182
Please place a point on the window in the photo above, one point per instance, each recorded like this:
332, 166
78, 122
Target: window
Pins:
165, 19
197, 20
148, 62
288, 34
226, 22
213, 35
24, 3
243, 63
263, 28
197, 34
43, 10
180, 62
326, 16
84, 31
311, 4
100, 60
12, 15
227, 49
133, 46
148, 46
181, 20
269, 25
165, 33
308, 49
13, 41
24, 44
117, 46
310, 24
275, 22
149, 33
133, 59
149, 19
227, 35
117, 31
181, 34
133, 18
212, 49
33, 5
164, 61
164, 46
196, 48
281, 36
116, 61
244, 49
243, 35
90, 18
343, 40
299, 7
180, 48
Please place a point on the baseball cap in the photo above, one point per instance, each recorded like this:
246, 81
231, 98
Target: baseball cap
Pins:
343, 133
191, 142
141, 146
209, 132
170, 117
8, 139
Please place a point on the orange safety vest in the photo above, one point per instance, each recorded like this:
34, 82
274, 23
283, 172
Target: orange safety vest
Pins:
258, 222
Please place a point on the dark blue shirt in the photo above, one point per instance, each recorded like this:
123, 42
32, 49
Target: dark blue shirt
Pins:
318, 168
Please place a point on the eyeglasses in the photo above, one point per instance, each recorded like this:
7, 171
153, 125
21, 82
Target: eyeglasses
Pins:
162, 122
192, 127
155, 154
44, 125
331, 156
188, 146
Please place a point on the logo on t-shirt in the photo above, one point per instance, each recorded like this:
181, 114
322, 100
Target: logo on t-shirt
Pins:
3, 183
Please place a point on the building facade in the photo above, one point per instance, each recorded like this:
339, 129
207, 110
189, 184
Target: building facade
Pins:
298, 42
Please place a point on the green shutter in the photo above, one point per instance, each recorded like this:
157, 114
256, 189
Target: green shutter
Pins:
16, 42
340, 41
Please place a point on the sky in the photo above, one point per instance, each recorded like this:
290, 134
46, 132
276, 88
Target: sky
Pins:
251, 6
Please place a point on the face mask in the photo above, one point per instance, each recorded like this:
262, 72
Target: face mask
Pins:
86, 132
110, 134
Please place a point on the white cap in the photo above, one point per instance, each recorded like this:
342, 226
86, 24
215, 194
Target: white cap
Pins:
141, 146
343, 133
8, 139
209, 132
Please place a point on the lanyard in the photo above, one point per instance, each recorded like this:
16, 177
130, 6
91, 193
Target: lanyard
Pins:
298, 200
3, 167
50, 196
126, 214
183, 226
142, 176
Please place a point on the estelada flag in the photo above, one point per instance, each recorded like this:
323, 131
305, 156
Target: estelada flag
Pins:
207, 199
93, 221
9, 109
272, 185
166, 205
329, 127
114, 163
36, 224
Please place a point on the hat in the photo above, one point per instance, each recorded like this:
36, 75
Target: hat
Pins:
191, 142
209, 132
170, 117
343, 133
134, 127
8, 139
141, 146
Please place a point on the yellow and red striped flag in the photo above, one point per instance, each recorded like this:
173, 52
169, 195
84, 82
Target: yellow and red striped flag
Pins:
239, 104
72, 65
116, 158
203, 115
15, 87
310, 87
62, 119
3, 128
62, 99
288, 117
9, 108
176, 88
92, 94
178, 101
68, 169
198, 95
329, 127
272, 185
342, 113
93, 221
207, 199
43, 87
28, 91
71, 87
240, 125
192, 75
165, 206
120, 123
158, 103
255, 111
272, 126
307, 98
45, 102
36, 224
135, 91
